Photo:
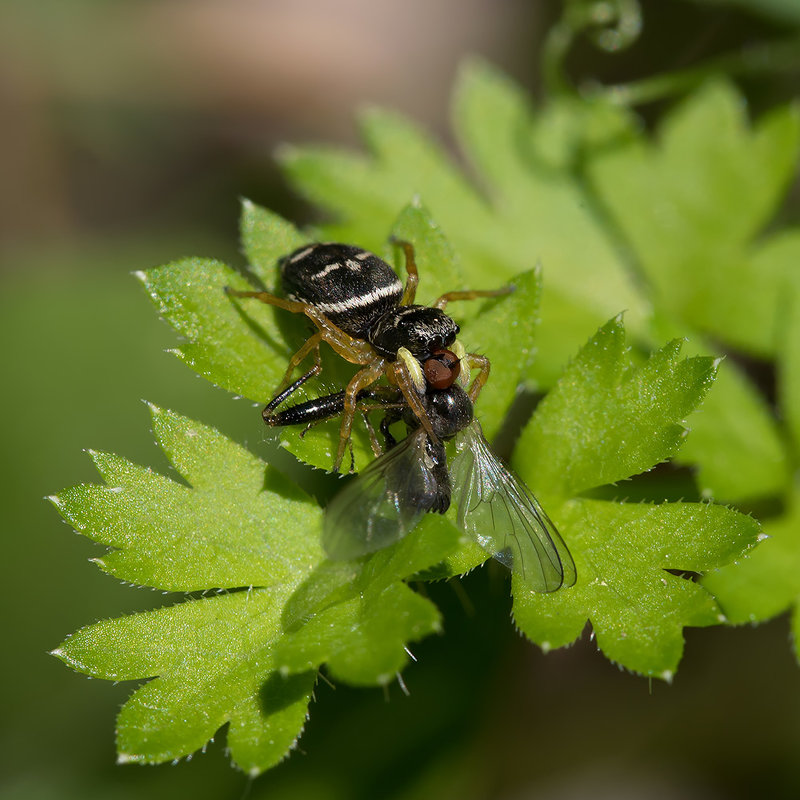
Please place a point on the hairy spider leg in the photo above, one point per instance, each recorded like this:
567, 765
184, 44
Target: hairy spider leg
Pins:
399, 374
350, 349
360, 381
285, 388
412, 279
473, 294
269, 414
474, 361
373, 439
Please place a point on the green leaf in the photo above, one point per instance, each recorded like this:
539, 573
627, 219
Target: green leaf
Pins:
245, 355
637, 609
606, 419
377, 613
238, 524
789, 366
201, 536
767, 581
265, 238
214, 665
691, 203
735, 444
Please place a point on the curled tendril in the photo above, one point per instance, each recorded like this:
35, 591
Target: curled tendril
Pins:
613, 25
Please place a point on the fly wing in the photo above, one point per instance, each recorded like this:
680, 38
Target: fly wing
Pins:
498, 511
380, 505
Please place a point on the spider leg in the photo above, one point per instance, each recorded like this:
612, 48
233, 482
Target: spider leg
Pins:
474, 361
356, 351
285, 389
269, 299
410, 291
269, 414
358, 382
471, 295
373, 439
402, 377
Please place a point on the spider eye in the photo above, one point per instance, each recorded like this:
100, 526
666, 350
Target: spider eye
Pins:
442, 369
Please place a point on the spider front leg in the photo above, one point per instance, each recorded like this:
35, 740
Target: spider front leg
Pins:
407, 373
356, 351
472, 361
285, 389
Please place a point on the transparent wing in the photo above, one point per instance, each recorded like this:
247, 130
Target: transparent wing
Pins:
497, 509
381, 505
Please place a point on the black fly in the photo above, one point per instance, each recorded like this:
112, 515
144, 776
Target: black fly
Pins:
387, 499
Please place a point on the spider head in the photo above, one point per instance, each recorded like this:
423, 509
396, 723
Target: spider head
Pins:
420, 329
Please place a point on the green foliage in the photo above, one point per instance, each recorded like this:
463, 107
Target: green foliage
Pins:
690, 205
607, 419
526, 211
604, 421
587, 217
637, 609
237, 524
559, 185
766, 583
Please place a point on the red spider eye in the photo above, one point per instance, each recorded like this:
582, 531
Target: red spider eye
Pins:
442, 369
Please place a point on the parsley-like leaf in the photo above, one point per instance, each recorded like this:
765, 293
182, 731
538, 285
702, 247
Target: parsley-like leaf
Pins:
604, 421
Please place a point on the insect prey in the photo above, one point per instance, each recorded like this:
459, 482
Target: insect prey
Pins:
411, 478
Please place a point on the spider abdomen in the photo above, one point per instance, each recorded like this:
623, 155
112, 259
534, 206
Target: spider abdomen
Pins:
351, 286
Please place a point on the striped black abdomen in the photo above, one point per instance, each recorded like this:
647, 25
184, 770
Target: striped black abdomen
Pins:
351, 286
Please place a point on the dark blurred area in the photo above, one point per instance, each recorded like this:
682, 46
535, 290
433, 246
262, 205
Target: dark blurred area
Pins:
130, 132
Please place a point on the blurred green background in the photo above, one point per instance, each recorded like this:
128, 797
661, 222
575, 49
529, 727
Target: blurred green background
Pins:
130, 131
